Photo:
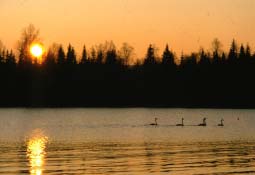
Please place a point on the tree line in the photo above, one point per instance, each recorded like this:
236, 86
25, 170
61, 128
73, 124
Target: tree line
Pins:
107, 77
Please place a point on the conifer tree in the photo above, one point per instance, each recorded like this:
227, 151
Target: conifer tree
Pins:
168, 57
84, 58
61, 56
150, 56
232, 56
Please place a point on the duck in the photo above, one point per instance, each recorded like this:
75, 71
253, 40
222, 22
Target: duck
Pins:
155, 123
182, 124
204, 122
221, 122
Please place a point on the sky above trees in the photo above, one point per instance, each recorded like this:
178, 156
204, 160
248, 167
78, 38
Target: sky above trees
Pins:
184, 24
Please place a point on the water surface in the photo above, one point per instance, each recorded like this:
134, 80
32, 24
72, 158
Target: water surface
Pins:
120, 141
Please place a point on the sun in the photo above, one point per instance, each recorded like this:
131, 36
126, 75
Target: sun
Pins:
36, 50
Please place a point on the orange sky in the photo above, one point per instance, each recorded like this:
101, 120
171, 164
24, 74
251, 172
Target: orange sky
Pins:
184, 24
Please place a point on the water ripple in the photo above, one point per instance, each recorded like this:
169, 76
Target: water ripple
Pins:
123, 158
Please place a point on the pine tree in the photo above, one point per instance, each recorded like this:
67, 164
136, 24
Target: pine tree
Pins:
232, 56
216, 58
248, 52
242, 54
168, 57
50, 58
223, 58
84, 58
150, 56
100, 57
61, 56
93, 55
70, 56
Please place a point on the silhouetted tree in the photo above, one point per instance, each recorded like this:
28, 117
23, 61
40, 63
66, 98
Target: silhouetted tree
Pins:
10, 58
70, 56
196, 82
216, 47
126, 53
50, 58
111, 57
29, 35
189, 61
248, 52
204, 58
150, 56
242, 54
61, 56
223, 58
93, 55
232, 56
100, 56
216, 58
182, 59
168, 57
84, 58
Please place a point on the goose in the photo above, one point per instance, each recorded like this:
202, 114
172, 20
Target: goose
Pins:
156, 123
221, 122
204, 122
182, 124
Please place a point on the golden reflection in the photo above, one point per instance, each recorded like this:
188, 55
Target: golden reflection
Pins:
36, 152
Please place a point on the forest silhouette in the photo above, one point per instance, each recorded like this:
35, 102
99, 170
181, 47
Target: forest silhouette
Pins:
107, 77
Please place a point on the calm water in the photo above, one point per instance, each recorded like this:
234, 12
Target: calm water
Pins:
120, 141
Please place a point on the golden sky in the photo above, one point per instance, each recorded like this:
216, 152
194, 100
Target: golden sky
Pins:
184, 24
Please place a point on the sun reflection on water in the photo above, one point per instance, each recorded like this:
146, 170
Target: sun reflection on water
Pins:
36, 152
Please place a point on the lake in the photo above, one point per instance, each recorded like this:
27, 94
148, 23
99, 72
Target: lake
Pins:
121, 141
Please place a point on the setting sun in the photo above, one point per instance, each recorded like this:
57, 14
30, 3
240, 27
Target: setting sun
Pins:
36, 50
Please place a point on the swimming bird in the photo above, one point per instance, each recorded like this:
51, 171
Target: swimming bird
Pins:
204, 122
182, 124
156, 123
221, 122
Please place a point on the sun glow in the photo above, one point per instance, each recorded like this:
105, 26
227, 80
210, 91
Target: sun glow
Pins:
36, 50
36, 153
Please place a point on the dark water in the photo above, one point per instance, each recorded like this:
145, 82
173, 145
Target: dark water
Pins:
120, 141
